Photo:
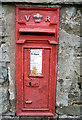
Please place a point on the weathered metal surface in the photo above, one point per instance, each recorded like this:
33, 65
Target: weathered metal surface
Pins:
36, 60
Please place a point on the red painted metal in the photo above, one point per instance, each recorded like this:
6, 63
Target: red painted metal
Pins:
36, 28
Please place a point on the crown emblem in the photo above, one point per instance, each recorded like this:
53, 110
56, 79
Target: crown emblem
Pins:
37, 17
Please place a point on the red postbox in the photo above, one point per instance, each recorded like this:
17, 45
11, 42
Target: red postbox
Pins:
36, 60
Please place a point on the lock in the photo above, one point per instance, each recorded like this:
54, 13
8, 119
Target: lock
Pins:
32, 82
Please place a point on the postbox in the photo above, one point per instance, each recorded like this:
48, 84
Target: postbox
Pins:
36, 60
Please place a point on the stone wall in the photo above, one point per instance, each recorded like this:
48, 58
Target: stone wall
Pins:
68, 91
46, 1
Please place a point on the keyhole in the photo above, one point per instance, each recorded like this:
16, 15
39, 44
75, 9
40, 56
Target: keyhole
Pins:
30, 83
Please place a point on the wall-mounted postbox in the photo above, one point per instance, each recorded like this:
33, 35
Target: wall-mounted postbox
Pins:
36, 60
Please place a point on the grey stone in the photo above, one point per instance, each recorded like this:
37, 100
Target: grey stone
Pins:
0, 10
0, 70
35, 118
5, 106
0, 54
0, 22
63, 116
4, 103
46, 1
3, 64
3, 72
67, 42
70, 110
66, 66
9, 118
9, 114
0, 100
9, 23
5, 96
2, 81
70, 19
0, 30
5, 53
71, 12
2, 40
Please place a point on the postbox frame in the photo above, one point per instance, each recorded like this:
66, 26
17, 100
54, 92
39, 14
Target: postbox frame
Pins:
20, 46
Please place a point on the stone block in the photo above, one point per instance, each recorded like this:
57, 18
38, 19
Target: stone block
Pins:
33, 118
70, 19
46, 1
50, 118
0, 22
9, 114
5, 105
69, 110
10, 118
4, 95
4, 102
67, 72
0, 53
69, 118
2, 39
5, 53
3, 72
2, 81
0, 10
0, 30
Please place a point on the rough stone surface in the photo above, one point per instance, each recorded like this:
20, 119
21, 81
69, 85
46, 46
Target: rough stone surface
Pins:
3, 73
46, 1
70, 19
4, 59
40, 118
0, 102
8, 52
70, 110
68, 92
70, 63
4, 102
5, 53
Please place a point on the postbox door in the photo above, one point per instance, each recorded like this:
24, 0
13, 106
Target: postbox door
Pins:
36, 78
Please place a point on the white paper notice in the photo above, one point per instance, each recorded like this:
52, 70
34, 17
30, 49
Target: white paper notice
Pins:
35, 61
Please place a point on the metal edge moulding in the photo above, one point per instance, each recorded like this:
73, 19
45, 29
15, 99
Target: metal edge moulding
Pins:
36, 60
